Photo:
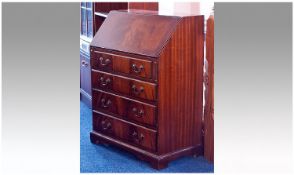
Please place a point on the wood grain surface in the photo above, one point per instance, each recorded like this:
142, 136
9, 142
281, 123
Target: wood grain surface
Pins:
147, 78
180, 87
144, 5
209, 93
135, 33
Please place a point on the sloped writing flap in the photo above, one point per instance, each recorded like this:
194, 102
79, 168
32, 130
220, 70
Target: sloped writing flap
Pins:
138, 33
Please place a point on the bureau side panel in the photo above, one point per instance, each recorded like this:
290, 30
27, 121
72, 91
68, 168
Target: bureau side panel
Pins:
180, 89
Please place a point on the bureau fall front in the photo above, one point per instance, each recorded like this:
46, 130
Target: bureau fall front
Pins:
147, 84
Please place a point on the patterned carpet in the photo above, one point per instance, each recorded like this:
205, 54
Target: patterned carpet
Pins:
108, 159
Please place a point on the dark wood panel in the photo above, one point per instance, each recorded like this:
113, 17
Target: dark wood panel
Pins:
209, 93
126, 65
123, 85
180, 87
135, 33
126, 109
108, 6
140, 136
144, 5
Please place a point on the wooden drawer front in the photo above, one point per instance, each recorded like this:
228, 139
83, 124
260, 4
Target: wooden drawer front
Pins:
128, 132
120, 64
124, 85
124, 108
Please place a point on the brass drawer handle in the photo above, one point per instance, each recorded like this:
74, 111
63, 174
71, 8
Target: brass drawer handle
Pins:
137, 113
105, 103
138, 137
137, 91
137, 69
105, 125
104, 62
104, 82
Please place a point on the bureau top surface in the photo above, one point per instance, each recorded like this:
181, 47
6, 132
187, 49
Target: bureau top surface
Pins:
138, 32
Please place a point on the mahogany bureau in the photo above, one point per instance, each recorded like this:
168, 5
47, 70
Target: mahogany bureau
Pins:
147, 82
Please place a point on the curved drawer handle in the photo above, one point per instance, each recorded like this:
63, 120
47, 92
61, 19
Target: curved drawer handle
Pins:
137, 113
105, 125
105, 103
104, 62
104, 82
138, 137
137, 69
137, 91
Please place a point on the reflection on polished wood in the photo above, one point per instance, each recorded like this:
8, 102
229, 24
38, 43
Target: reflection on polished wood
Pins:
147, 85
